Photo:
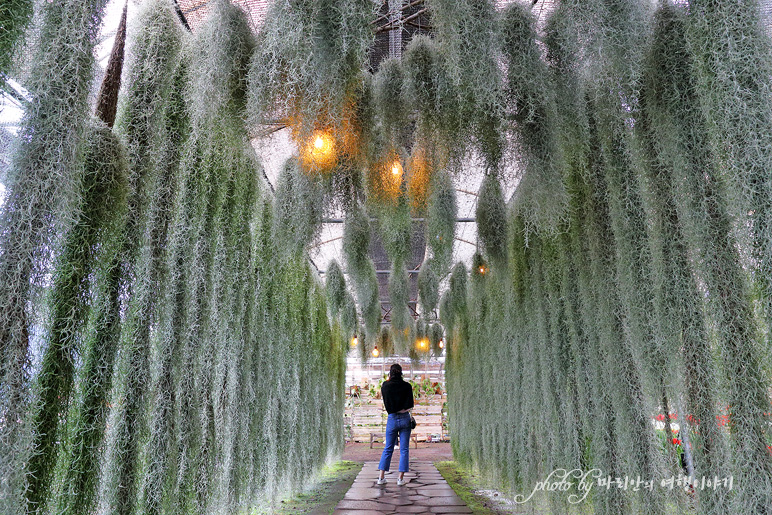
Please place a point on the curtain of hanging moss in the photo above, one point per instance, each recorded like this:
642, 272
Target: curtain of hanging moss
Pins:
87, 418
528, 97
42, 194
309, 64
399, 297
621, 30
154, 128
441, 222
160, 475
302, 381
732, 62
573, 143
669, 107
703, 207
209, 241
466, 37
14, 17
101, 215
356, 242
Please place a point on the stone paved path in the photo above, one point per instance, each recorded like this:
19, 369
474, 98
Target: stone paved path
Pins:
425, 493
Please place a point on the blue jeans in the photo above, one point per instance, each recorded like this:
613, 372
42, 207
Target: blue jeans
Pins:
397, 423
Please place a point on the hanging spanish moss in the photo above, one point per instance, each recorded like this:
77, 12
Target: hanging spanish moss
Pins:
467, 37
671, 115
429, 89
441, 222
101, 213
299, 204
348, 317
435, 338
154, 149
308, 63
492, 219
530, 104
428, 288
90, 244
14, 17
396, 229
41, 202
336, 288
420, 170
399, 297
385, 342
389, 96
169, 347
356, 243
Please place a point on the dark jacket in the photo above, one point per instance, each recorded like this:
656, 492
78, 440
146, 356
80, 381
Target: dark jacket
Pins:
397, 395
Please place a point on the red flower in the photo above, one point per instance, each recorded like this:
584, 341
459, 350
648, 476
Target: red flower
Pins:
676, 441
661, 417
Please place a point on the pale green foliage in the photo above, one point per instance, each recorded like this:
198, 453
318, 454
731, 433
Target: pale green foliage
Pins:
151, 122
14, 17
356, 244
428, 288
467, 39
396, 227
454, 304
88, 242
492, 218
428, 88
401, 318
356, 241
441, 222
435, 335
621, 306
309, 60
399, 297
627, 277
41, 202
299, 207
530, 104
385, 342
348, 316
336, 288
389, 95
224, 47
369, 304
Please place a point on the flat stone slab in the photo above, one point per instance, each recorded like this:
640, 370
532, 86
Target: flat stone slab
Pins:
425, 492
350, 504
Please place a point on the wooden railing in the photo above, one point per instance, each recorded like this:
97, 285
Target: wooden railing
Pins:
365, 416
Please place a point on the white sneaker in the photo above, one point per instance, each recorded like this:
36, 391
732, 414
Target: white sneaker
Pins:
401, 482
381, 481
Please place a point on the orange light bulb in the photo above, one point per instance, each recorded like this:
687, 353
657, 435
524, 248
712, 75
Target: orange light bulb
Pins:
376, 352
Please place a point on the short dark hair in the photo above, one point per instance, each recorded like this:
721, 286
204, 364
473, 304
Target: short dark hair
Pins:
395, 372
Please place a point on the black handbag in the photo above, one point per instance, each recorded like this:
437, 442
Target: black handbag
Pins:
412, 422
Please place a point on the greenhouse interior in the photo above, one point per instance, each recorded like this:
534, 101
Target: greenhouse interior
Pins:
224, 222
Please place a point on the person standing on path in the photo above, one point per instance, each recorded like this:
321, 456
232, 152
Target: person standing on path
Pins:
397, 397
